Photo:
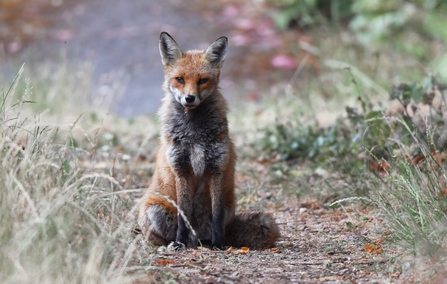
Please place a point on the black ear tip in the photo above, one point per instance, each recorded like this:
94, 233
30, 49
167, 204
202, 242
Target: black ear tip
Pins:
223, 38
164, 34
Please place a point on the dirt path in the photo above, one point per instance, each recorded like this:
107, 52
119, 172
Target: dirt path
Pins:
318, 245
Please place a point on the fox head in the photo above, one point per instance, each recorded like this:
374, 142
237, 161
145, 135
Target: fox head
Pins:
193, 76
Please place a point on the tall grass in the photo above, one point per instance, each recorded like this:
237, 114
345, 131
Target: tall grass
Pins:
61, 223
413, 198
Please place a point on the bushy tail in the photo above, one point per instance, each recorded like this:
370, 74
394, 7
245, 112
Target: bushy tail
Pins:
252, 229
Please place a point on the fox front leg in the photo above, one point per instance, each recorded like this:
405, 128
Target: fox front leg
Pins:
184, 238
218, 211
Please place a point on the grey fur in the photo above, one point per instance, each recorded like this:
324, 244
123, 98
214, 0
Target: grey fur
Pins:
162, 222
217, 51
158, 225
197, 134
169, 49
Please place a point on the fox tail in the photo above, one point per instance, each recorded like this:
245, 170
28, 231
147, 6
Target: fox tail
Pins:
252, 229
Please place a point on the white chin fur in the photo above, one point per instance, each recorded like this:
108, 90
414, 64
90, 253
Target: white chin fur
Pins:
190, 105
177, 95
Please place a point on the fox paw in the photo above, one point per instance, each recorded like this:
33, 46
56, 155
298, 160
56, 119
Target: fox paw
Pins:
176, 246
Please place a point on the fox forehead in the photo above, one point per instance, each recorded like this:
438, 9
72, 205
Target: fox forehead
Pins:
192, 64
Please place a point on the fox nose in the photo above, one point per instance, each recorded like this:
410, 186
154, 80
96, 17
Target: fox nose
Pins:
189, 99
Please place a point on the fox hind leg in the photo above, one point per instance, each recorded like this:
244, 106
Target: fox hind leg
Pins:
158, 225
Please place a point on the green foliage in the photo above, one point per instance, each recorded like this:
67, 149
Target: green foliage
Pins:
362, 132
291, 143
435, 25
371, 21
309, 12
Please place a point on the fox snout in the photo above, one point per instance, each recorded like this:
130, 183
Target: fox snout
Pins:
190, 99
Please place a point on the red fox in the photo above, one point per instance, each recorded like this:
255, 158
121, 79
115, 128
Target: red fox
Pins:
196, 160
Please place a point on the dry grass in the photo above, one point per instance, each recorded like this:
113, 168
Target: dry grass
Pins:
66, 216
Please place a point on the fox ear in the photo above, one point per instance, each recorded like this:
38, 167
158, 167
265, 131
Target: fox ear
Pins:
216, 52
169, 49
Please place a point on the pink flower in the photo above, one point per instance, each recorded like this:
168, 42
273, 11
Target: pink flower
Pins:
283, 61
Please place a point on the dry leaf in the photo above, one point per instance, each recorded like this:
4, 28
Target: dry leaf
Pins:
310, 205
373, 249
417, 159
439, 158
228, 250
274, 249
381, 167
163, 262
243, 250
443, 192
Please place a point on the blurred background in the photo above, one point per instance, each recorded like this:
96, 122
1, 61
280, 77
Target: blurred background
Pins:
273, 43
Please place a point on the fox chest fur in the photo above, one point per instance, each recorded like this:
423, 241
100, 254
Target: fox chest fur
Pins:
197, 141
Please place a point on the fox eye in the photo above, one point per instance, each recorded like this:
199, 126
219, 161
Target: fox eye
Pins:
180, 80
202, 81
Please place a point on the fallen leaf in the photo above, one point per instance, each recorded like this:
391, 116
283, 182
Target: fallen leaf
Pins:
443, 192
310, 205
439, 158
417, 159
163, 262
242, 250
372, 249
274, 249
381, 167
